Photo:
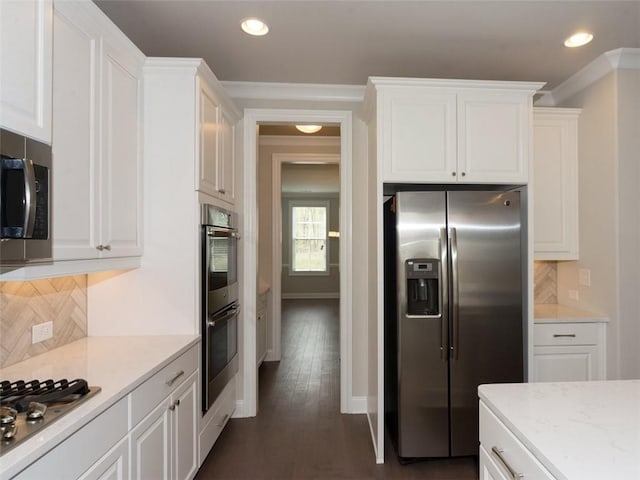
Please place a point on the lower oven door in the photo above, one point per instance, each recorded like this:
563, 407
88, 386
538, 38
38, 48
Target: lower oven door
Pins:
220, 362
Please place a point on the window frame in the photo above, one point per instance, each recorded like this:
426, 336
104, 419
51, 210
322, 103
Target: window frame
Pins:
326, 204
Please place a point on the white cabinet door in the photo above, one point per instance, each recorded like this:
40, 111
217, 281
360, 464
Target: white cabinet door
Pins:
151, 445
208, 161
565, 363
493, 137
226, 157
184, 430
97, 190
75, 146
419, 136
555, 171
114, 465
569, 352
121, 172
25, 76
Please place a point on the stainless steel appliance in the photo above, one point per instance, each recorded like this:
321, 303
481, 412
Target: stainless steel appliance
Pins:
26, 407
25, 168
453, 313
220, 306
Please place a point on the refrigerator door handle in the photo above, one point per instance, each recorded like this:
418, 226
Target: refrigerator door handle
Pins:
444, 309
454, 293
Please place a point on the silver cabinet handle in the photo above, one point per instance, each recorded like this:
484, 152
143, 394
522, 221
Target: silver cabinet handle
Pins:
497, 451
453, 174
224, 419
175, 404
107, 247
100, 247
564, 335
222, 191
172, 380
464, 174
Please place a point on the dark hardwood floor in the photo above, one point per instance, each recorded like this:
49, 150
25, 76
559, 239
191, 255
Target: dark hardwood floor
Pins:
299, 432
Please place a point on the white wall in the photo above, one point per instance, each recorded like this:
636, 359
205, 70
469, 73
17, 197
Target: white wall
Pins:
609, 219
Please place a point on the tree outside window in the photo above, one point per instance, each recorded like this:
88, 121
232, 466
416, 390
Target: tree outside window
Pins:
309, 221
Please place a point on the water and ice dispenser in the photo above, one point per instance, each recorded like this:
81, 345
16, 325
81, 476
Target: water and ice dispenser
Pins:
423, 286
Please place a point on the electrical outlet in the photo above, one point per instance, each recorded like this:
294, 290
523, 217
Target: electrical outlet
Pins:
574, 295
584, 277
41, 332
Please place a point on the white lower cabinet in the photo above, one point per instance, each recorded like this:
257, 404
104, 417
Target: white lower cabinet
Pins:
114, 465
150, 434
564, 352
261, 327
502, 455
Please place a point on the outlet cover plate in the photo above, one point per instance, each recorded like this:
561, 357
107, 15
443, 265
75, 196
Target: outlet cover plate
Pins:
41, 332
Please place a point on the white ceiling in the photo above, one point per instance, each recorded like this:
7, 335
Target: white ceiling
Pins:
344, 42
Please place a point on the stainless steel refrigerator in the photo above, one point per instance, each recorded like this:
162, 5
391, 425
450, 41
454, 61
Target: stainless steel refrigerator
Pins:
454, 313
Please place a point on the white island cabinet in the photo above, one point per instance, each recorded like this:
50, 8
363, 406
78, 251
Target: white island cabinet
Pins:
563, 431
142, 424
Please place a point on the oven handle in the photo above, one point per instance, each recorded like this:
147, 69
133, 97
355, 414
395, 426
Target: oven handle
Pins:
222, 232
229, 314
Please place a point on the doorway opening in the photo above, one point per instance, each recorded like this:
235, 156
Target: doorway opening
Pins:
330, 152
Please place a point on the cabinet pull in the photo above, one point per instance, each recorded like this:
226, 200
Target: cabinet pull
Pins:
564, 335
464, 174
453, 174
222, 191
107, 247
497, 451
224, 419
175, 404
172, 380
100, 248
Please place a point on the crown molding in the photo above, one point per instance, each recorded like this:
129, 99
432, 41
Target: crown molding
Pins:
297, 141
621, 58
294, 91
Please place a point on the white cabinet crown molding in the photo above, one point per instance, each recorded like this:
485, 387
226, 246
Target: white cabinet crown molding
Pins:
455, 83
294, 91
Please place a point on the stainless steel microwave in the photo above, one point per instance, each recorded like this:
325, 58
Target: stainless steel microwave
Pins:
25, 200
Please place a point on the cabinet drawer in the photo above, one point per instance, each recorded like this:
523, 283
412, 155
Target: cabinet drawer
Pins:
82, 449
495, 435
222, 409
565, 334
153, 391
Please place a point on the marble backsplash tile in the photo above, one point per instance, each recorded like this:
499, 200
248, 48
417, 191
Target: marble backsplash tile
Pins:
25, 304
545, 280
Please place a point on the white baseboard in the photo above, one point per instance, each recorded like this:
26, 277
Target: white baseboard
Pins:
311, 296
358, 405
239, 411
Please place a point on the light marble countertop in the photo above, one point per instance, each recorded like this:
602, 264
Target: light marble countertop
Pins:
116, 364
577, 430
555, 313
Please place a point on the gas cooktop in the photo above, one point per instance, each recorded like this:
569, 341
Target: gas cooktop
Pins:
28, 407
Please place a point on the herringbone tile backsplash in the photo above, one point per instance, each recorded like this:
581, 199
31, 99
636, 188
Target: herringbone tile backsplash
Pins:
545, 280
25, 304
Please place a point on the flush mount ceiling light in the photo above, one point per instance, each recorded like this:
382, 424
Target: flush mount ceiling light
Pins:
309, 128
254, 26
578, 39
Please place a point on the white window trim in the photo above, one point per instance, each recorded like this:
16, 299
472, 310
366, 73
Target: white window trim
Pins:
310, 203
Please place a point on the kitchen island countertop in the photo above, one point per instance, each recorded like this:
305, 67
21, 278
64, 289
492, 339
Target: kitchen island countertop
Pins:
577, 430
116, 364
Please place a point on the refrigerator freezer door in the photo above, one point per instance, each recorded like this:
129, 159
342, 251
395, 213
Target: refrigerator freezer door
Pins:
423, 418
486, 307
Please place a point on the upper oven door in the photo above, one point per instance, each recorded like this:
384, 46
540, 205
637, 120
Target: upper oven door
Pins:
220, 257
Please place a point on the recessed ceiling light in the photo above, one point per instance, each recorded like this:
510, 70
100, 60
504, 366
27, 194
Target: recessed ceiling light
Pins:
309, 128
254, 26
578, 39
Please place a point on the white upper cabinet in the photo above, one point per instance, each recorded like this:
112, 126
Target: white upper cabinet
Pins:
25, 76
452, 131
555, 170
97, 187
216, 162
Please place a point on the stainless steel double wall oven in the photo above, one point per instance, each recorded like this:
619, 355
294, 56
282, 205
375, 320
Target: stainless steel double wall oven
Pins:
220, 307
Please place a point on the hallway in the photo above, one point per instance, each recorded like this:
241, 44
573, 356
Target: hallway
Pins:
299, 432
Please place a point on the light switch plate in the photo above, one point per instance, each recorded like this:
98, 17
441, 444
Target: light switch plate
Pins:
41, 332
584, 277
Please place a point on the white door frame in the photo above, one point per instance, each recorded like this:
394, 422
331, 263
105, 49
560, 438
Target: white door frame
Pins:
276, 238
252, 117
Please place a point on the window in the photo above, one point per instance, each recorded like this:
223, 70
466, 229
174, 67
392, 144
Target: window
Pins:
309, 222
